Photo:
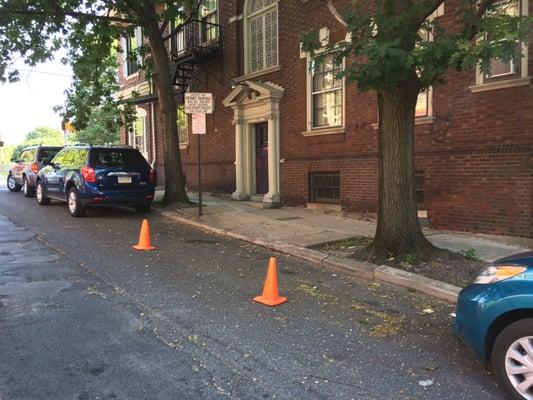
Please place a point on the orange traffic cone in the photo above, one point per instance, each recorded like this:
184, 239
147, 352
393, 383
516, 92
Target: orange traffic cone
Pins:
270, 295
144, 238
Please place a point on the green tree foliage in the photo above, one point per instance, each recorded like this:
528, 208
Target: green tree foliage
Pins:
42, 135
388, 52
102, 127
94, 84
6, 152
34, 29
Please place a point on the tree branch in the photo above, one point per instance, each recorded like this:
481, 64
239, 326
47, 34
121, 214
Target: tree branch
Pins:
75, 14
428, 8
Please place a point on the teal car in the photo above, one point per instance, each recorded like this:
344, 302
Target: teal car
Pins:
495, 317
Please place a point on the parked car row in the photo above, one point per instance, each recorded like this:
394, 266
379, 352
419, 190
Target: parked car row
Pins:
84, 176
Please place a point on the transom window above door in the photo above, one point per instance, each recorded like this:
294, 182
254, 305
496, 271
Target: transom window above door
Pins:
261, 36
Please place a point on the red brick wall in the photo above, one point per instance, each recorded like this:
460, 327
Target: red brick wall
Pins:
477, 157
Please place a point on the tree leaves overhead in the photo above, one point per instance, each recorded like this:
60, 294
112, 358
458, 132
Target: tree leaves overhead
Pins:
390, 43
33, 30
103, 127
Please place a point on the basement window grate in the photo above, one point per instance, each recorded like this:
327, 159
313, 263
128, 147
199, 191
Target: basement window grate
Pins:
324, 187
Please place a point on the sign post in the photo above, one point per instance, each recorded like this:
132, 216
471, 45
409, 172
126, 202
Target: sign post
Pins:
67, 129
199, 104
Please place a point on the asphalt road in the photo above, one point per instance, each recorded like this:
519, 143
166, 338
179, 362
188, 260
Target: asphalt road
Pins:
84, 316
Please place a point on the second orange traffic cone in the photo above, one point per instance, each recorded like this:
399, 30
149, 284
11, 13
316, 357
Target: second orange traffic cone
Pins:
270, 296
144, 238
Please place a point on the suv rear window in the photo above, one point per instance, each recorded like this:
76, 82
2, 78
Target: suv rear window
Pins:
48, 153
112, 158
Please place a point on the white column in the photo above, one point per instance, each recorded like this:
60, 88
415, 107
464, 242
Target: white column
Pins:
239, 193
272, 197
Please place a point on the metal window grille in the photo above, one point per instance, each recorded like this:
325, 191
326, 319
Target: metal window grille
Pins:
419, 189
324, 187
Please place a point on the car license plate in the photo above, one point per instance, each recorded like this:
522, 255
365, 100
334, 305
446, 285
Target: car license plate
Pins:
124, 179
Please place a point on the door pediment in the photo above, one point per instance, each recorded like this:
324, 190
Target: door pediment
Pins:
250, 92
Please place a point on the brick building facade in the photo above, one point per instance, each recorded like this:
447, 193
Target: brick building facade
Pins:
298, 137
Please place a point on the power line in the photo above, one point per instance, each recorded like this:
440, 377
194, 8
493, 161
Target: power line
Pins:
43, 72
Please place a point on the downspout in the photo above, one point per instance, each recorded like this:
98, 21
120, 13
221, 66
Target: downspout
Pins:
152, 126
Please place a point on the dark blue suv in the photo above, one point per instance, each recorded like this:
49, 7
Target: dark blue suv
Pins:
86, 176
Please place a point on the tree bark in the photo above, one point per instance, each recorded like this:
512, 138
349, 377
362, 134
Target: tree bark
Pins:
174, 178
398, 231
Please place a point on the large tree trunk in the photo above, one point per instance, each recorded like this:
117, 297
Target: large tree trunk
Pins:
174, 178
398, 231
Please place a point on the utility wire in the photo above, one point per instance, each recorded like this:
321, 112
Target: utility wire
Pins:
42, 72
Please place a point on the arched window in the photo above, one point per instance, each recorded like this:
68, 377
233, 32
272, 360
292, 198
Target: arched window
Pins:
137, 131
261, 34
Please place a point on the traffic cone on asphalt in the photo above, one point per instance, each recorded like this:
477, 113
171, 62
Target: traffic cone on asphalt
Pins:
270, 296
144, 238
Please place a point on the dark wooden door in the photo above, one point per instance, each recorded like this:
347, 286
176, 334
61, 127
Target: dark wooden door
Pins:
261, 154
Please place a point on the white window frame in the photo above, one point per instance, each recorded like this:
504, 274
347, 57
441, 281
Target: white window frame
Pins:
137, 35
484, 82
178, 39
439, 12
139, 113
203, 19
311, 129
247, 36
182, 145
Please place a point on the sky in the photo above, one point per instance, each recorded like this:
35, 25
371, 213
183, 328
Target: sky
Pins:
27, 104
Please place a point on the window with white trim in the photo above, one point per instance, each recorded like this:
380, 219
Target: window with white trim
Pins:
424, 102
261, 35
500, 68
326, 91
209, 21
177, 41
137, 131
131, 60
506, 72
182, 121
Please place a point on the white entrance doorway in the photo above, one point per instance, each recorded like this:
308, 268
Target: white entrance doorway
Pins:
257, 152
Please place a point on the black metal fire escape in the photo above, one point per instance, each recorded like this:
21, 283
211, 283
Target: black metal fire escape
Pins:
194, 45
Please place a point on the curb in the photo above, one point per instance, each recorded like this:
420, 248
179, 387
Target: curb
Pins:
432, 287
383, 273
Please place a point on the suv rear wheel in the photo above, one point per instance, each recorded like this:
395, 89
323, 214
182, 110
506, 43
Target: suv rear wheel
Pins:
41, 196
512, 359
27, 189
12, 185
75, 208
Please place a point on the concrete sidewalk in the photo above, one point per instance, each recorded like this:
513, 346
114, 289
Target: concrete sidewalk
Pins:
304, 227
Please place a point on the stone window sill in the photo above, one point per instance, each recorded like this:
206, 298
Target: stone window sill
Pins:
258, 73
325, 131
184, 146
418, 121
508, 83
130, 77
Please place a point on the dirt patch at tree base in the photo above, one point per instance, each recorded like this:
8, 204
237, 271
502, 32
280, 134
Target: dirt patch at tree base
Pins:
439, 264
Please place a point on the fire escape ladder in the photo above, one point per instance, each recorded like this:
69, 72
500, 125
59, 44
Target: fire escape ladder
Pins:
198, 42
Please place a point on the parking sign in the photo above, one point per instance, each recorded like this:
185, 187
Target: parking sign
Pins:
199, 103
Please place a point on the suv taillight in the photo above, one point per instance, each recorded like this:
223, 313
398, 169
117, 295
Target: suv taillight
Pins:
35, 168
88, 174
152, 176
